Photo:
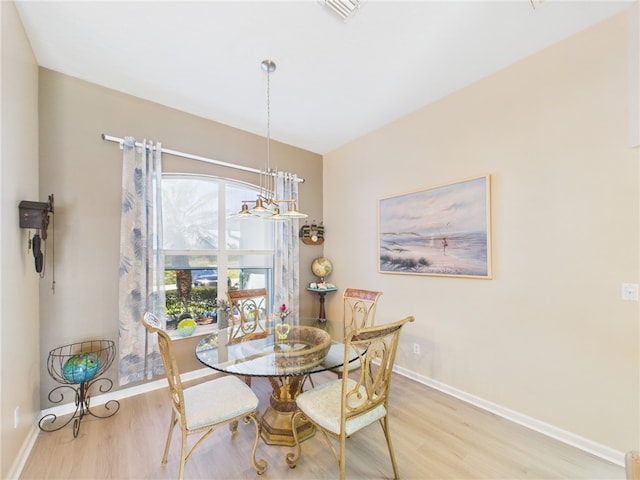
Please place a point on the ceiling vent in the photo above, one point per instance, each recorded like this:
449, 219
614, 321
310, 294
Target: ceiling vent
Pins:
344, 8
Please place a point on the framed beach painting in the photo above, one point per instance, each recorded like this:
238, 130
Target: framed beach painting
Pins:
444, 230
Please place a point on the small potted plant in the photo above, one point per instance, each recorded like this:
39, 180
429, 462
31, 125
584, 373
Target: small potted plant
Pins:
282, 328
224, 310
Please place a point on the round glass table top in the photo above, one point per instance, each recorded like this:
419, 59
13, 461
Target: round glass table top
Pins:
270, 355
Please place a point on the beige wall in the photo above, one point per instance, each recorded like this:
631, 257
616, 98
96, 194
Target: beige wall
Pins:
84, 173
19, 321
549, 337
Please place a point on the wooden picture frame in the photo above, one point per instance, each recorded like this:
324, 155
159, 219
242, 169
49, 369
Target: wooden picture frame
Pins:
441, 231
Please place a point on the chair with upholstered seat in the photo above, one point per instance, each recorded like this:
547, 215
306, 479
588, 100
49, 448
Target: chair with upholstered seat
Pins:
203, 407
342, 407
359, 311
249, 314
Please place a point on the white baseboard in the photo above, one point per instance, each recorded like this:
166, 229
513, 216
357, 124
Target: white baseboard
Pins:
606, 453
126, 392
19, 462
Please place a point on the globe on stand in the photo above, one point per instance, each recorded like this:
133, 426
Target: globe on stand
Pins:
322, 267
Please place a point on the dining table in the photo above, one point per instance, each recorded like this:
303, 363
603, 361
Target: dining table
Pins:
275, 356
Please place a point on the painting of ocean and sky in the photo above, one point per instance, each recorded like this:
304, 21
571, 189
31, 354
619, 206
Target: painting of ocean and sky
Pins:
438, 231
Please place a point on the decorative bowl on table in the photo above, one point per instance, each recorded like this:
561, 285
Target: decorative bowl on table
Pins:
186, 327
305, 347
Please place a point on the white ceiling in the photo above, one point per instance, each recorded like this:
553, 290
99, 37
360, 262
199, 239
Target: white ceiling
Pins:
334, 81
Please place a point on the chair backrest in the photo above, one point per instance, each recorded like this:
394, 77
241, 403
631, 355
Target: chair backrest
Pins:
152, 324
249, 314
376, 348
359, 308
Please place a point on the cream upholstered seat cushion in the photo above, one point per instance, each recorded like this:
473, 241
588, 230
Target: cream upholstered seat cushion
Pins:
217, 401
335, 356
322, 404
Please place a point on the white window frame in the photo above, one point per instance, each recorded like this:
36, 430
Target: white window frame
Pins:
222, 253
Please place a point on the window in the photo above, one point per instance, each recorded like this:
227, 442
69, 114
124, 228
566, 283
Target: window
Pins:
207, 250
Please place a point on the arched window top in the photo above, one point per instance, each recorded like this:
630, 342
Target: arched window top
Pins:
196, 209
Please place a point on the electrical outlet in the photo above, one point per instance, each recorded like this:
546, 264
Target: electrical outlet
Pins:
630, 291
416, 348
16, 417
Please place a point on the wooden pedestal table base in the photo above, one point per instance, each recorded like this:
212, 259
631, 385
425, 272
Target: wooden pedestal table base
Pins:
276, 420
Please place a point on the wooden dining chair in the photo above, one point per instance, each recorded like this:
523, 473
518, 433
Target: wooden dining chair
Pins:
359, 311
342, 407
203, 407
249, 314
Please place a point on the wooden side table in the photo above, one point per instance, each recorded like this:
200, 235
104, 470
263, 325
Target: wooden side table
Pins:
322, 292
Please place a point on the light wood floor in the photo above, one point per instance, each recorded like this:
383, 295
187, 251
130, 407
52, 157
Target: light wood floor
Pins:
435, 437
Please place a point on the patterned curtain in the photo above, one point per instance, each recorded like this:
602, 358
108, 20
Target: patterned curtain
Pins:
287, 252
141, 285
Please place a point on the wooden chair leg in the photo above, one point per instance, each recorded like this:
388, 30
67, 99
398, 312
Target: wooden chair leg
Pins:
385, 428
310, 381
343, 457
183, 455
172, 425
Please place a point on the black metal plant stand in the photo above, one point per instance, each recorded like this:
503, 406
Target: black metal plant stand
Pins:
105, 352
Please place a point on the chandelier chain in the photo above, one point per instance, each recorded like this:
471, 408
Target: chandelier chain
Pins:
269, 118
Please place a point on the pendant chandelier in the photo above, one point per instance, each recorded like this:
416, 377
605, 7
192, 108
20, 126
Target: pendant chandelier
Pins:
267, 205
